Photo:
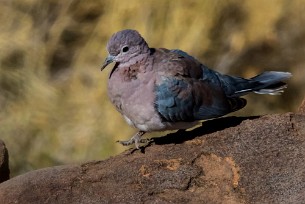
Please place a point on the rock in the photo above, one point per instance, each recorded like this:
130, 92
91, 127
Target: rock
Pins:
231, 160
4, 167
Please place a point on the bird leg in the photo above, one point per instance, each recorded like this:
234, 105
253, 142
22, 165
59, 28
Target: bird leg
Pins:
136, 139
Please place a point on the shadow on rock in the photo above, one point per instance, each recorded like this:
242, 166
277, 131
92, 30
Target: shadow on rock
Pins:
207, 127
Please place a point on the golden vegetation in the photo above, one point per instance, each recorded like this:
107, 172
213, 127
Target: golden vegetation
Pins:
54, 107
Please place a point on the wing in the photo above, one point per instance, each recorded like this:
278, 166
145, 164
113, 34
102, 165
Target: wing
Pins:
185, 92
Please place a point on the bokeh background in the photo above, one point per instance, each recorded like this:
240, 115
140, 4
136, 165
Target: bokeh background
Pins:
53, 97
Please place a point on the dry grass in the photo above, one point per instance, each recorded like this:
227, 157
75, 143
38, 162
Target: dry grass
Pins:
54, 107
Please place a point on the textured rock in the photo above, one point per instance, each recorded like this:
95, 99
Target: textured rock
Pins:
4, 167
227, 160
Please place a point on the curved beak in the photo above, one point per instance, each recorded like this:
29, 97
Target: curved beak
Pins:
108, 60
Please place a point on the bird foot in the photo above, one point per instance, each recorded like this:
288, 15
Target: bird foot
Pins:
136, 139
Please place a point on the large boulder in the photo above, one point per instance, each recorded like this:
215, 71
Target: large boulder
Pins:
226, 160
4, 167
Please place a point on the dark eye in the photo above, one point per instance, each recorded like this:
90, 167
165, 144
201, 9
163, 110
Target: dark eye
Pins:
125, 49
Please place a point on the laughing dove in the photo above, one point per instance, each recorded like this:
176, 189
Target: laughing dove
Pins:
161, 89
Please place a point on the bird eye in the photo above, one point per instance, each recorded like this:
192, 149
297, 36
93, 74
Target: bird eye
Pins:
125, 49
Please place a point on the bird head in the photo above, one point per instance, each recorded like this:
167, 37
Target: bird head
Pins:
123, 46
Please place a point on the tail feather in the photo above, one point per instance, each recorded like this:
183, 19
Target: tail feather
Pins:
266, 83
272, 91
271, 77
273, 82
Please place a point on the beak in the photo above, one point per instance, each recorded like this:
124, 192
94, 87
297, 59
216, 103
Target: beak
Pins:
108, 60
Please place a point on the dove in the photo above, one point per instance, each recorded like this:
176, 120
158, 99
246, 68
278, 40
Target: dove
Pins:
161, 89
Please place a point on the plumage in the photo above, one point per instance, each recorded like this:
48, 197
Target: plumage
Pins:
161, 89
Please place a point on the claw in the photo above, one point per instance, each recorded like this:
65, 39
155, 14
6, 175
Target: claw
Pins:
136, 139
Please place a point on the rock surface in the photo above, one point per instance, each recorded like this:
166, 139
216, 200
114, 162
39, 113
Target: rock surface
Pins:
4, 167
227, 160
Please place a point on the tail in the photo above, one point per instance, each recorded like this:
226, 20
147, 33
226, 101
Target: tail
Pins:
272, 81
265, 83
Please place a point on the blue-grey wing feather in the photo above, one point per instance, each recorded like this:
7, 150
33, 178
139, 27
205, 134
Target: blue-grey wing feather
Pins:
198, 93
179, 99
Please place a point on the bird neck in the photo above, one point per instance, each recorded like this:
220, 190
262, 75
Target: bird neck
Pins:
128, 71
137, 59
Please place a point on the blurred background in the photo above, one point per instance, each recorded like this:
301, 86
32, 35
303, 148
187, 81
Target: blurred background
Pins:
53, 97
